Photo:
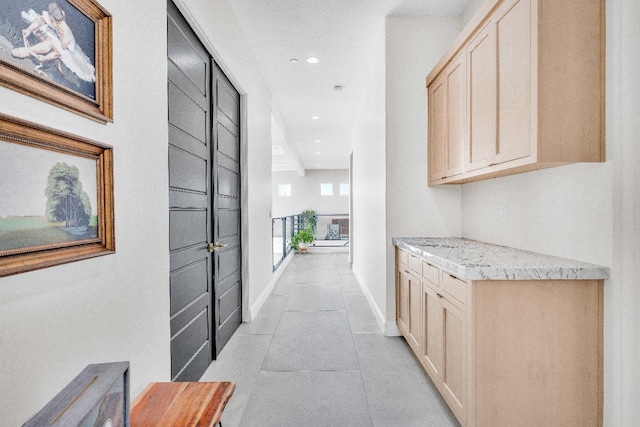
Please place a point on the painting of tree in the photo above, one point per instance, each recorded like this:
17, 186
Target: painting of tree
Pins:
56, 197
66, 200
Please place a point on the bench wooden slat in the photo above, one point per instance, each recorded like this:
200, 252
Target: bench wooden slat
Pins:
181, 404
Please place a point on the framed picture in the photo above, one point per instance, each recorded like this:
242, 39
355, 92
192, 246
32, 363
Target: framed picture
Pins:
59, 51
97, 397
56, 197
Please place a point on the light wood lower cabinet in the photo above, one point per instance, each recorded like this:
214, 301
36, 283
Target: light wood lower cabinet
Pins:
509, 352
410, 308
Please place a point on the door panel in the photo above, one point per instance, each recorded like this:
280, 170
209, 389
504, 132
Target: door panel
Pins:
402, 307
188, 283
187, 171
432, 332
187, 228
184, 50
456, 111
190, 230
437, 130
454, 373
226, 184
188, 342
481, 66
229, 224
414, 337
513, 22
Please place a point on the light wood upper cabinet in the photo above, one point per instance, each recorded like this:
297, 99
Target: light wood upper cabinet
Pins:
513, 86
533, 91
447, 121
481, 58
456, 75
437, 130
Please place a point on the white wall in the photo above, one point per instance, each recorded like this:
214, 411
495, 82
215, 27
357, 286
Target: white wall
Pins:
622, 295
53, 322
413, 46
470, 10
587, 212
305, 192
368, 228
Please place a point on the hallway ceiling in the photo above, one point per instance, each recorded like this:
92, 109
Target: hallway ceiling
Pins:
347, 36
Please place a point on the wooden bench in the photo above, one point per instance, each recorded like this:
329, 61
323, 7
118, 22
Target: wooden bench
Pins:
181, 404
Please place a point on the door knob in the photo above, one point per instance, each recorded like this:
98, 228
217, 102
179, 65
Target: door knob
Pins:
214, 246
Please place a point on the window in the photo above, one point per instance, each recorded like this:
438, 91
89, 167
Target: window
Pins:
284, 190
344, 189
326, 189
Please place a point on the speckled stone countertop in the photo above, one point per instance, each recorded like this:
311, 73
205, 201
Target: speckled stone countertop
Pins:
473, 260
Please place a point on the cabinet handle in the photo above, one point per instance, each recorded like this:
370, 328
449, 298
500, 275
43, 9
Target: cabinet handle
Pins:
407, 271
439, 296
443, 177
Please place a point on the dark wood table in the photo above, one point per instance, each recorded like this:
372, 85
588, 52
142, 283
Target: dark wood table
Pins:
181, 404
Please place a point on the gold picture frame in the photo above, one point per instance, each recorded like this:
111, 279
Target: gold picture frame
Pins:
56, 193
59, 52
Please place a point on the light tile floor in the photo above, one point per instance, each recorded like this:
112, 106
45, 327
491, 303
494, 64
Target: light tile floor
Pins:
315, 356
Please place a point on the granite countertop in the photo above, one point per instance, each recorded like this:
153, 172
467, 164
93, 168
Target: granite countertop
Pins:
473, 260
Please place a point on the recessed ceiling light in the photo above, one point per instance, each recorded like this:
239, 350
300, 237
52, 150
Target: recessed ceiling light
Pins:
294, 61
317, 152
338, 88
317, 140
316, 117
312, 60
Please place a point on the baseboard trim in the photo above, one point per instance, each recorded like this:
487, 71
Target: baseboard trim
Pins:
386, 327
391, 329
257, 305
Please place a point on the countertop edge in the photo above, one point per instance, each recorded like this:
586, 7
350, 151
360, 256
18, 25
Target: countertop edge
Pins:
580, 271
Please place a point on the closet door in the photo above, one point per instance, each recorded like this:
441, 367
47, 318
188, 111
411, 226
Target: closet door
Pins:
227, 256
190, 210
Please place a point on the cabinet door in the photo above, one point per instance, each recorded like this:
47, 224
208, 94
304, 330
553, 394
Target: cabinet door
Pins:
402, 302
482, 99
513, 29
456, 76
414, 335
454, 370
431, 356
437, 130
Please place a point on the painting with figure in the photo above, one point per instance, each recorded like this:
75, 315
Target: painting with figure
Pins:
52, 39
46, 198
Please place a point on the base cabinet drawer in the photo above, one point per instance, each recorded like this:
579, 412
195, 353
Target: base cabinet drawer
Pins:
457, 288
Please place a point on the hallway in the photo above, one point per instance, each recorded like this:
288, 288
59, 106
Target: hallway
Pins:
315, 356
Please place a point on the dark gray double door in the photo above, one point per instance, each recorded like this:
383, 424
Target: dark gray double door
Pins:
204, 203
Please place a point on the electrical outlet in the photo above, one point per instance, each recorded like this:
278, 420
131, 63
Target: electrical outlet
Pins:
504, 213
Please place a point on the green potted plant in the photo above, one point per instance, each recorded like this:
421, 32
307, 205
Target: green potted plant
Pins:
309, 219
302, 239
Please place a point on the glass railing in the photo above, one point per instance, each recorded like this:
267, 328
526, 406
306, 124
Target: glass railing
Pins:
329, 230
282, 229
